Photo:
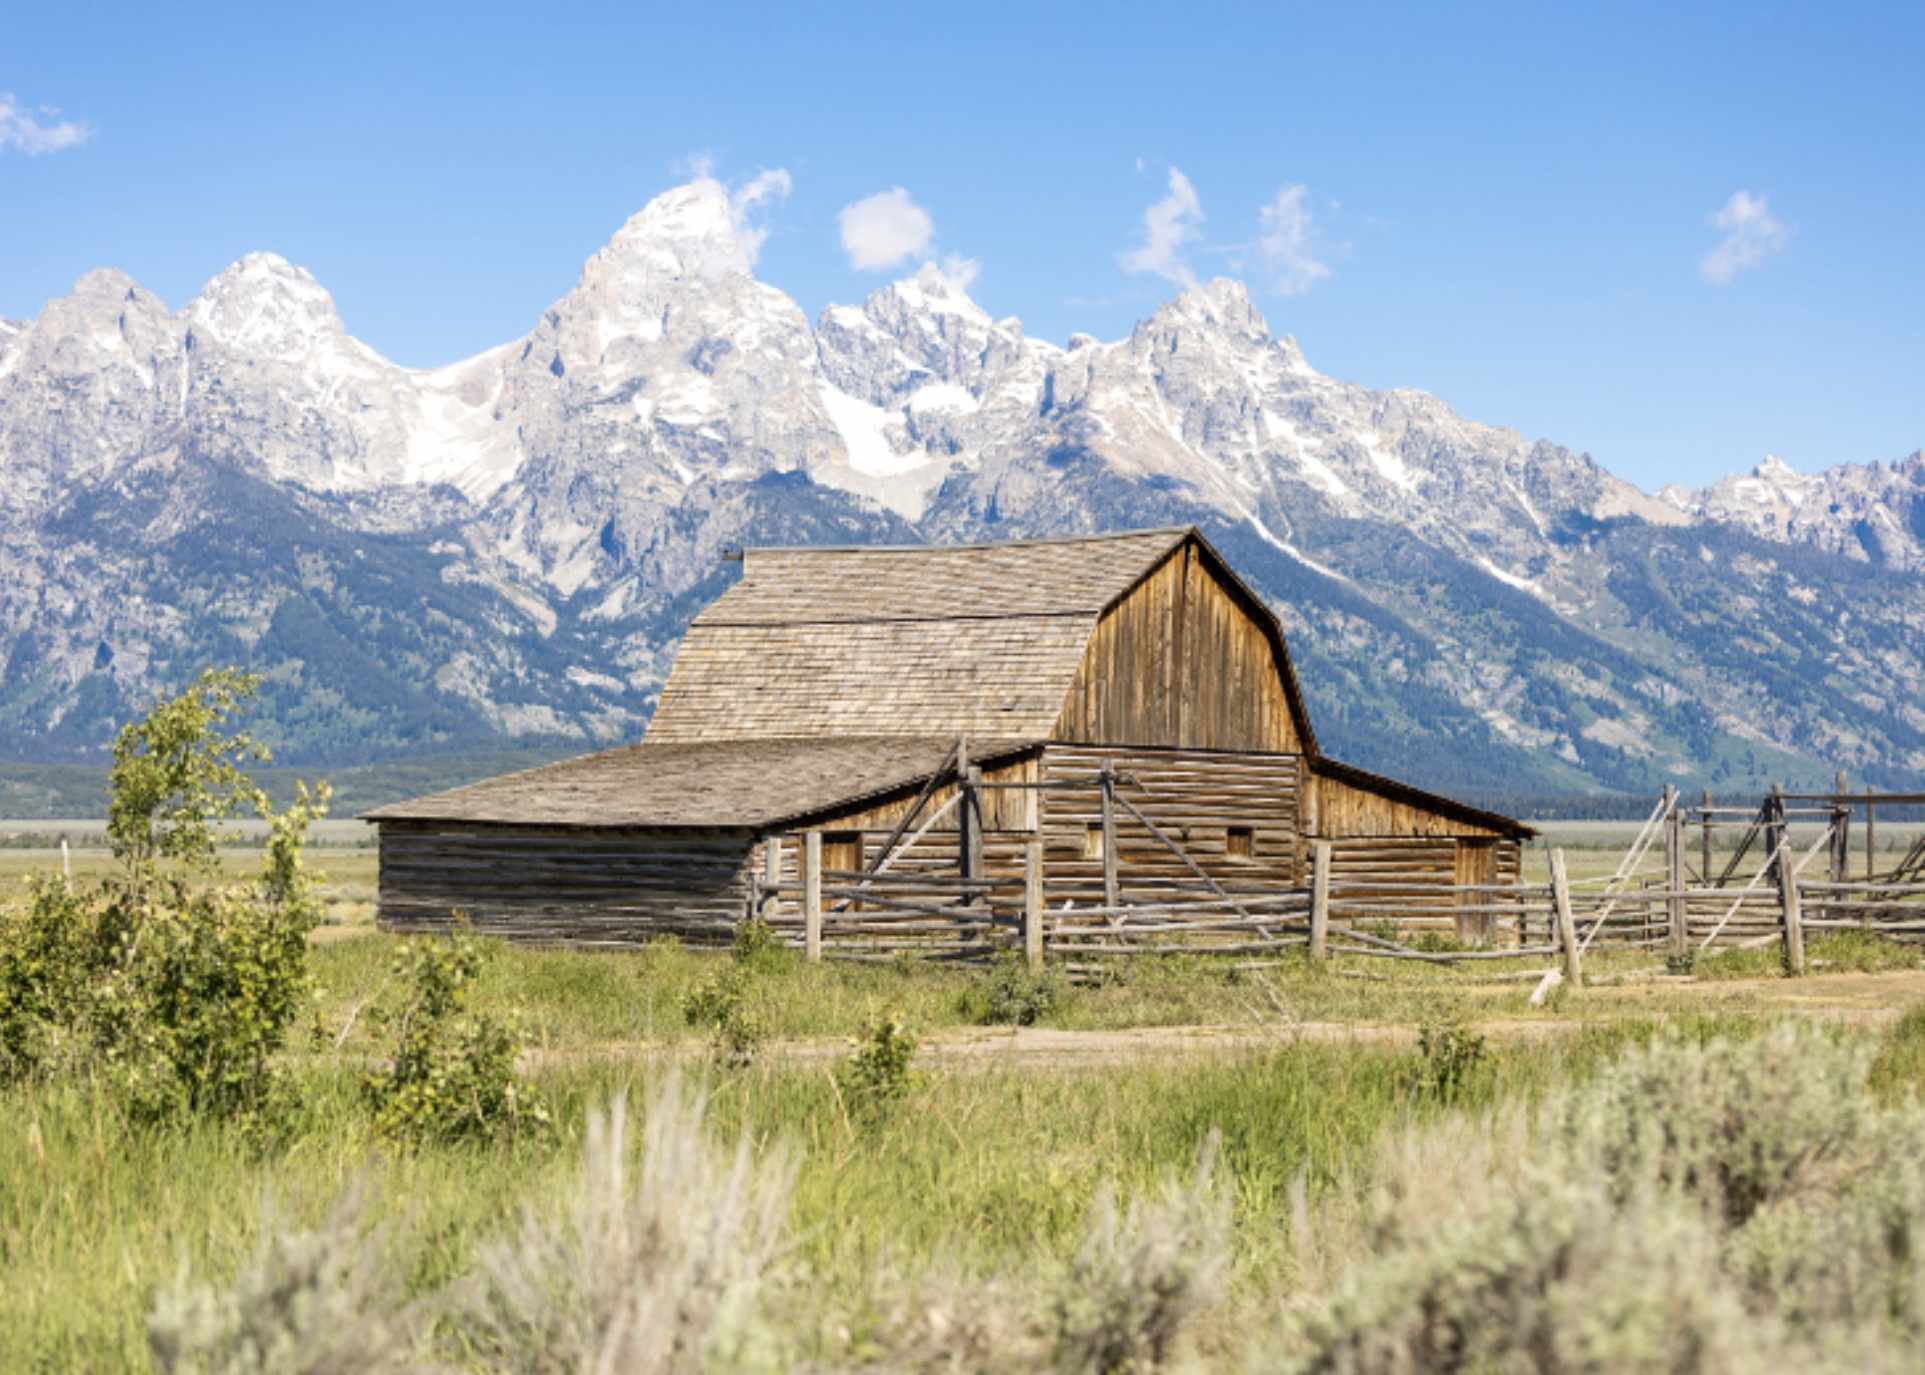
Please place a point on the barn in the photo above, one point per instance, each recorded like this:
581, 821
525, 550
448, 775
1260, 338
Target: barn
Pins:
1124, 698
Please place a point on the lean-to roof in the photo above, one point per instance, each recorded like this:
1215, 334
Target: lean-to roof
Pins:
746, 784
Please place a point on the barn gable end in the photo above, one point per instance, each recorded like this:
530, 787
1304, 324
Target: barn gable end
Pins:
1184, 660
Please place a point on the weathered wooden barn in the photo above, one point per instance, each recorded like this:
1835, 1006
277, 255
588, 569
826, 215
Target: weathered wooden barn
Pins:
1124, 697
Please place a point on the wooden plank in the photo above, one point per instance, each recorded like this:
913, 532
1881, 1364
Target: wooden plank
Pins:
1566, 926
1033, 905
812, 895
1111, 887
1793, 913
1679, 933
1320, 901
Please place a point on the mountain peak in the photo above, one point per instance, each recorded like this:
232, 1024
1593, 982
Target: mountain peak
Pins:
1222, 302
264, 304
691, 230
108, 283
933, 289
1775, 469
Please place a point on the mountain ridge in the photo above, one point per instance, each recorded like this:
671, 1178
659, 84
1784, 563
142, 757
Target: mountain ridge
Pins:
522, 533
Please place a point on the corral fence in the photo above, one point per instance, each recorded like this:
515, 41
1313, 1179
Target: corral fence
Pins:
1665, 896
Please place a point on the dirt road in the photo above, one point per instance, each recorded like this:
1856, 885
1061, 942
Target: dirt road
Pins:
1870, 1000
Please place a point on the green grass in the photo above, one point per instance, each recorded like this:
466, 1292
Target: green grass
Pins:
1838, 952
981, 1170
570, 1001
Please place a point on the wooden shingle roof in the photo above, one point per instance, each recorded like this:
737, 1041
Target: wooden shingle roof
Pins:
928, 640
725, 784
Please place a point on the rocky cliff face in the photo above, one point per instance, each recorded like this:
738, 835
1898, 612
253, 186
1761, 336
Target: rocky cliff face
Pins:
509, 546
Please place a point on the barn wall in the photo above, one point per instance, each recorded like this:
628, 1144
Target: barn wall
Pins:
1007, 822
1341, 810
559, 884
1180, 663
1193, 797
1360, 863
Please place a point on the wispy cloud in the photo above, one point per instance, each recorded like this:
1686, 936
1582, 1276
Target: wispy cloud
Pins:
1751, 234
1283, 243
751, 196
960, 272
37, 131
1168, 225
745, 199
885, 229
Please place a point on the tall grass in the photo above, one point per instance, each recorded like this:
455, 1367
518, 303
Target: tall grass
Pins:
1718, 1197
986, 1169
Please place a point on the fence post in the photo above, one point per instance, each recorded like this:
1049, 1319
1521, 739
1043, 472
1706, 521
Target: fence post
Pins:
1566, 924
812, 895
1674, 877
1704, 841
1112, 890
1794, 918
1320, 901
1033, 904
771, 876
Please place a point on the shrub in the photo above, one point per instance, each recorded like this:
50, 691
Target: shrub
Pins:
876, 1077
1725, 1207
309, 1303
1900, 1067
664, 1272
1141, 1276
757, 947
1449, 1056
1735, 1125
1011, 995
173, 990
1554, 1279
452, 1076
724, 1004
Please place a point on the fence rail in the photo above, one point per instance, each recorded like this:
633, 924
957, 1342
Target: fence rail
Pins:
849, 915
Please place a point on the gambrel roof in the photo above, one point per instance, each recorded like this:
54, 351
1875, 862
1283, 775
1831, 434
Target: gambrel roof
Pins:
962, 639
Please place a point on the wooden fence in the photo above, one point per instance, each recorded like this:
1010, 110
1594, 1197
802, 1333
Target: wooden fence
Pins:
849, 915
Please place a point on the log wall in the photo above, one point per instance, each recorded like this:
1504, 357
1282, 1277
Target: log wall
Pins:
564, 885
1375, 873
1194, 797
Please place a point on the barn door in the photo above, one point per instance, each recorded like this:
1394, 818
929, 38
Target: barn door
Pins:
1475, 866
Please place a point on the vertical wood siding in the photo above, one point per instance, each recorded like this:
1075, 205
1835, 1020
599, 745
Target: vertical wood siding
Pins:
1180, 663
1344, 810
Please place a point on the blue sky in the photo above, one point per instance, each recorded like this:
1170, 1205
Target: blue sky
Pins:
1510, 207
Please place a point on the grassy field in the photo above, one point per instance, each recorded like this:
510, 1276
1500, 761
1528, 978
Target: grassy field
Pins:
987, 1171
985, 1185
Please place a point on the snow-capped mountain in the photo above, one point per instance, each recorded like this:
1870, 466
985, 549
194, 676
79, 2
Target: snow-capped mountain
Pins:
1869, 511
508, 546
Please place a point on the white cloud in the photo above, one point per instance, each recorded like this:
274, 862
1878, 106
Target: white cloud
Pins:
1167, 226
960, 272
882, 230
1283, 241
1752, 234
763, 187
22, 129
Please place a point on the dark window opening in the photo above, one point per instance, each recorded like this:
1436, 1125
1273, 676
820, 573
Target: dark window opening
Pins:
1240, 843
842, 850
